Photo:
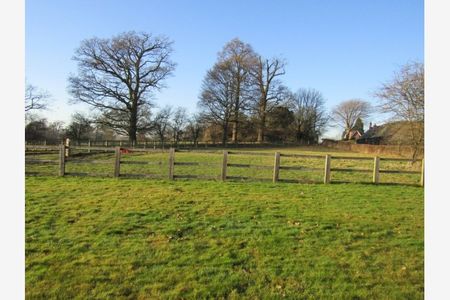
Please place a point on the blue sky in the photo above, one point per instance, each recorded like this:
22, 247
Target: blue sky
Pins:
344, 49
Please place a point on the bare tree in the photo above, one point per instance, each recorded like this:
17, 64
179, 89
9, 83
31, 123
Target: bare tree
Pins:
309, 114
404, 98
217, 97
35, 99
240, 57
269, 89
79, 128
194, 128
178, 124
55, 131
161, 123
117, 76
347, 112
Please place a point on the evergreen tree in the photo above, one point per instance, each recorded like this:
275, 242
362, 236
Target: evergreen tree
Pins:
359, 125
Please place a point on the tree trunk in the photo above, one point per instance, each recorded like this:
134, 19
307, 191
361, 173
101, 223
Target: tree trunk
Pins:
133, 126
234, 132
298, 134
132, 135
261, 129
225, 135
236, 112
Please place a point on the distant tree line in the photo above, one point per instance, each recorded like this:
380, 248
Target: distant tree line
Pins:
242, 98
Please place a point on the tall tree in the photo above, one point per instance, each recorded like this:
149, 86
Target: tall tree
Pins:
36, 130
194, 128
279, 124
178, 124
347, 112
270, 92
403, 97
359, 125
240, 57
309, 114
79, 128
217, 97
55, 131
35, 99
161, 123
118, 75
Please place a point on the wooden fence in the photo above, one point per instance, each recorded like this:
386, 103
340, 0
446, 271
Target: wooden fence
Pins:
156, 144
64, 152
398, 150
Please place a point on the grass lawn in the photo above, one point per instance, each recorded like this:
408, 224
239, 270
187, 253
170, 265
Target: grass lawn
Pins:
136, 238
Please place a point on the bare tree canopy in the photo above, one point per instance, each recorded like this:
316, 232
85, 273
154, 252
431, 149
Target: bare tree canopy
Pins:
310, 116
404, 95
178, 124
269, 89
346, 113
80, 127
240, 58
118, 75
35, 99
404, 98
217, 97
194, 128
161, 123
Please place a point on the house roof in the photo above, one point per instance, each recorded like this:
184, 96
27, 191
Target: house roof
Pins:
350, 134
390, 133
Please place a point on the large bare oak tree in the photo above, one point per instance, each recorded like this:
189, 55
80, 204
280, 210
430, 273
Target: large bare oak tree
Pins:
118, 75
310, 116
217, 100
240, 58
270, 91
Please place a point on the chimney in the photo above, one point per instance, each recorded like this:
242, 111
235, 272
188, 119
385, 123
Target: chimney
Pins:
370, 125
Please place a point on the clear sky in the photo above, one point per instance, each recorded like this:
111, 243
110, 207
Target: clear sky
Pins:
344, 49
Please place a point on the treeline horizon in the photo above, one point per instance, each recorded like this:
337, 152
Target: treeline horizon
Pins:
242, 98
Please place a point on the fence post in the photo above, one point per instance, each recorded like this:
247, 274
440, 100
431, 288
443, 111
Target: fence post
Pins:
67, 151
276, 167
376, 170
327, 176
62, 160
224, 165
171, 162
89, 146
422, 177
45, 142
120, 143
117, 162
106, 143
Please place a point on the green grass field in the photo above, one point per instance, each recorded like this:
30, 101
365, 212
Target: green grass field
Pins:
144, 239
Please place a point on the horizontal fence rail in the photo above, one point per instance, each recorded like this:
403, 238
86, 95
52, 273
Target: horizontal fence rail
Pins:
67, 156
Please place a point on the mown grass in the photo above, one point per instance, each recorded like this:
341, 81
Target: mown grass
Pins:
144, 239
212, 163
